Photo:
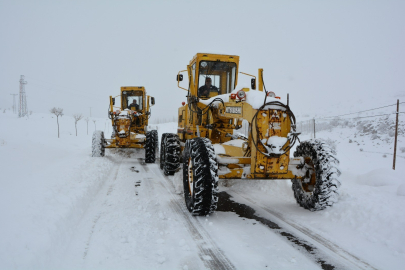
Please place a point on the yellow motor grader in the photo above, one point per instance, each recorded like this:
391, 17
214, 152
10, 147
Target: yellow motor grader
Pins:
209, 147
130, 123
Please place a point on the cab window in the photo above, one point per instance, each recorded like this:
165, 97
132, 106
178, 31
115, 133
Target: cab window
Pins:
132, 99
215, 78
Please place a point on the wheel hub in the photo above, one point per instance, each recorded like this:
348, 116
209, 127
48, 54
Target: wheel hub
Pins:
309, 180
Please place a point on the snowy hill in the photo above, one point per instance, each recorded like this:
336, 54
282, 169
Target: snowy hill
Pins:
61, 208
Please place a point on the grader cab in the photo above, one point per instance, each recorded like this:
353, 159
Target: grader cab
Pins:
208, 146
129, 123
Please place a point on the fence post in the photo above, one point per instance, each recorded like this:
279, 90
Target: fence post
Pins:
314, 129
396, 136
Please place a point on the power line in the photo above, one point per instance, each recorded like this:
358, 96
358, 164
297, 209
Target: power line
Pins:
360, 111
367, 116
310, 120
372, 115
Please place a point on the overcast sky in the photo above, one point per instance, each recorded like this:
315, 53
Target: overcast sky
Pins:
75, 54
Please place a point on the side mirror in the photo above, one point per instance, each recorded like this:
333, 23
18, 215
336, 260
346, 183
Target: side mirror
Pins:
253, 84
179, 77
152, 100
113, 100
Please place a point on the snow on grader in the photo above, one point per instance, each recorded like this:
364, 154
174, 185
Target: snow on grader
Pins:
208, 146
129, 122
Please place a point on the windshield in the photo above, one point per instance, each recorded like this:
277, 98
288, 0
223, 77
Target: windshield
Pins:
216, 78
132, 100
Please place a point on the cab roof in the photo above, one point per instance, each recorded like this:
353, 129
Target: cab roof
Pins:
132, 88
221, 57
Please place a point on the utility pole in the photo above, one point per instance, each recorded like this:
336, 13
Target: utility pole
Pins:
22, 110
396, 136
314, 129
14, 107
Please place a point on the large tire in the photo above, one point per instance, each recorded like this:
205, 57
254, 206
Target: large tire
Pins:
200, 177
98, 147
170, 153
162, 150
155, 133
150, 146
319, 187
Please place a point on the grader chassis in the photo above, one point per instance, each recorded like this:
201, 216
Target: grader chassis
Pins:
129, 122
209, 149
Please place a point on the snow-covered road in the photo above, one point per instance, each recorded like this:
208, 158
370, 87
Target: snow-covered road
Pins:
62, 209
137, 220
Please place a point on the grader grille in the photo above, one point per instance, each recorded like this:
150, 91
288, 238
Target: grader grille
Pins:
273, 126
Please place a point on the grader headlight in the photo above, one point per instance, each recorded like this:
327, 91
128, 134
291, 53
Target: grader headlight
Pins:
241, 94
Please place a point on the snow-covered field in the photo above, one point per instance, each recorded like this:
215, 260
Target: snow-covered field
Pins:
61, 208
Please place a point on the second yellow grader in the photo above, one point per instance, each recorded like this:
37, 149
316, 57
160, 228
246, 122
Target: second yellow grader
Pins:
208, 147
130, 124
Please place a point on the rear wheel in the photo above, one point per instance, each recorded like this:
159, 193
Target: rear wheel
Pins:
98, 148
150, 146
318, 189
200, 177
170, 153
162, 150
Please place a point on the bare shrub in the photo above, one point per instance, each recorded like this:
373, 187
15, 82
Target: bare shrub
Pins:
77, 117
58, 112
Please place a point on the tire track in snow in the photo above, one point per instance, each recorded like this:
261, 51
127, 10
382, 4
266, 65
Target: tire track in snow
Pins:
315, 239
95, 220
210, 254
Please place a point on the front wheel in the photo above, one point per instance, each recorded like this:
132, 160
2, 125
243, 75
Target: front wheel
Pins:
98, 147
151, 146
318, 189
200, 177
162, 150
170, 153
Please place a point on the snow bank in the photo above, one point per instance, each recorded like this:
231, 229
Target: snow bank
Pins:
47, 184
